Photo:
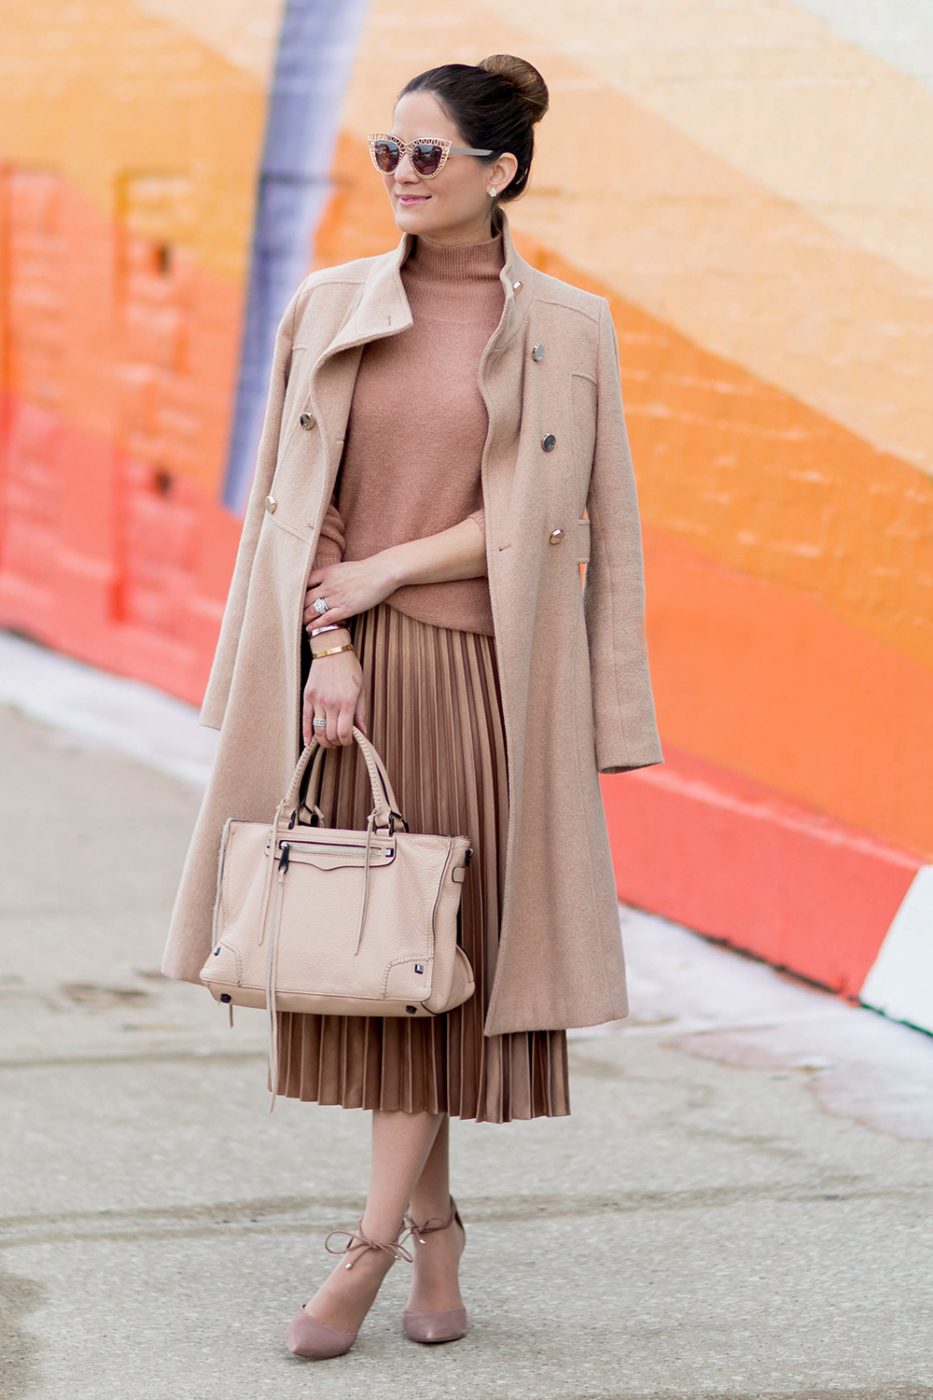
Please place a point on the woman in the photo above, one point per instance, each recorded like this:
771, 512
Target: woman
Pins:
444, 445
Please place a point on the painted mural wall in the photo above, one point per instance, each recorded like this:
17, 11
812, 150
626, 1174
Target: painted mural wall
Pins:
748, 183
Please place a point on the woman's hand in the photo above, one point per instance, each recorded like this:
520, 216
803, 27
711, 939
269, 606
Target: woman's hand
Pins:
334, 691
355, 585
335, 684
349, 588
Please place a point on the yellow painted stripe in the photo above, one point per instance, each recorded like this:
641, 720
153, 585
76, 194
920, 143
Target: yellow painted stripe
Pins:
108, 96
776, 93
242, 32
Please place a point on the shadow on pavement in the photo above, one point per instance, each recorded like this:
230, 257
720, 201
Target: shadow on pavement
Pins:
19, 1351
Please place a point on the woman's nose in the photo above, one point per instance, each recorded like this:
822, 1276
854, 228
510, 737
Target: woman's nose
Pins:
405, 170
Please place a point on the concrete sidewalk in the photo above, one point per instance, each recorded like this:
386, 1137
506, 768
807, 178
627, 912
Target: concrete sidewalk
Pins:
739, 1205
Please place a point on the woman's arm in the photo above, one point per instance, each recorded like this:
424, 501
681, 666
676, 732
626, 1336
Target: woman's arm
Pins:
355, 585
459, 552
214, 705
334, 687
614, 591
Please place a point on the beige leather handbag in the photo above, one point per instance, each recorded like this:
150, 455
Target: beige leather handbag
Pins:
343, 923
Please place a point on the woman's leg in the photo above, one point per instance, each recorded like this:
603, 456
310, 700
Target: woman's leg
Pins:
402, 1144
434, 1285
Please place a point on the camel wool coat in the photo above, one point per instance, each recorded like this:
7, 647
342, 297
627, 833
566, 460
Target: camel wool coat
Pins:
558, 489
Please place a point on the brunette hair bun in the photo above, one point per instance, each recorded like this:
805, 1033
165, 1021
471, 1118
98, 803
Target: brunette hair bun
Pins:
494, 105
529, 82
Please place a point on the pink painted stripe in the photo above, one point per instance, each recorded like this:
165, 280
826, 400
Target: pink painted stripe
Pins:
737, 861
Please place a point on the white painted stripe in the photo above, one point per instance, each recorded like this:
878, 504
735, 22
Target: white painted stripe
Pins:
901, 981
898, 31
141, 721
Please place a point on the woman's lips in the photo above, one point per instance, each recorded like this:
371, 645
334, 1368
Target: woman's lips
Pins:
413, 199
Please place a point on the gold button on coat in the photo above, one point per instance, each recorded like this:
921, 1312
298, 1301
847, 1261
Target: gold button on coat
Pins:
517, 286
306, 420
538, 352
556, 536
549, 442
271, 504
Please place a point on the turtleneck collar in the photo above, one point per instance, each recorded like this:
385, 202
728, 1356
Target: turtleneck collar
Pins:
459, 282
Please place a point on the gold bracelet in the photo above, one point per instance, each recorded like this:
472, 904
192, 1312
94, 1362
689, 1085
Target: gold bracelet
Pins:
316, 655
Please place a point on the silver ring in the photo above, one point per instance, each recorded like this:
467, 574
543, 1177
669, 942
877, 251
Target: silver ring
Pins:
320, 606
319, 723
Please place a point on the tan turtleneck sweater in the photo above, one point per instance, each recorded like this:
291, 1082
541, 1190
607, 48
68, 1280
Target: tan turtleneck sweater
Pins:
417, 428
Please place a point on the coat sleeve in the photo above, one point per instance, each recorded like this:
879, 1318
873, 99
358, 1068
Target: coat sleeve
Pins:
333, 539
218, 686
614, 587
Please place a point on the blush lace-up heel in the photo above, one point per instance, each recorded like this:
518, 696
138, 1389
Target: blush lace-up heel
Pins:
309, 1338
433, 1327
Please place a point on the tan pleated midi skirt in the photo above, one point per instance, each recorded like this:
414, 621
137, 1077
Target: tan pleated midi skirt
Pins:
434, 713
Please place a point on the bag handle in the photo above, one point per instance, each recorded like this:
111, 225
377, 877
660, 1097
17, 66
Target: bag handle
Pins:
385, 804
385, 810
312, 792
387, 788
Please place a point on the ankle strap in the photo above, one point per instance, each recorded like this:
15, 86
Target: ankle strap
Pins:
430, 1226
358, 1244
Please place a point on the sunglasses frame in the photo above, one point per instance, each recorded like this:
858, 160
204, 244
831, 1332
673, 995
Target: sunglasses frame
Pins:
406, 147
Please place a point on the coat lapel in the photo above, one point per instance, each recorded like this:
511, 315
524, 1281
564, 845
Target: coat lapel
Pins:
518, 279
383, 310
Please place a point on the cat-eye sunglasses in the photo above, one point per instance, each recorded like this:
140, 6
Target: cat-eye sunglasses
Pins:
428, 153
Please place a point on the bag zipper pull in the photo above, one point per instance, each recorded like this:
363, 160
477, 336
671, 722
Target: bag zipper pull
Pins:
283, 859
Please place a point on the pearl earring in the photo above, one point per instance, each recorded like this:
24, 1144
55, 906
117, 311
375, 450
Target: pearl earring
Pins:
493, 192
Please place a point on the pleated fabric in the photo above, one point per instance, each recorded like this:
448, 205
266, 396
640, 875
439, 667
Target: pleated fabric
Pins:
435, 715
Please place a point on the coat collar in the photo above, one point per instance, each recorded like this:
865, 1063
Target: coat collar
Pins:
383, 308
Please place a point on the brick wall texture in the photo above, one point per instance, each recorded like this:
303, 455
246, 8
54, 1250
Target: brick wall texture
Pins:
747, 181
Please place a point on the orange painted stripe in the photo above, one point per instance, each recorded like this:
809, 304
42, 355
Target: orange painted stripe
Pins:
120, 371
123, 337
808, 672
357, 220
763, 483
771, 685
103, 90
738, 469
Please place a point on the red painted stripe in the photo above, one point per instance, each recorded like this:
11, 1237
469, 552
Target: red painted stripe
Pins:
106, 557
737, 861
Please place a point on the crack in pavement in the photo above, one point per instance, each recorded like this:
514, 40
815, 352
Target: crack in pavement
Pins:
167, 1056
288, 1214
886, 1392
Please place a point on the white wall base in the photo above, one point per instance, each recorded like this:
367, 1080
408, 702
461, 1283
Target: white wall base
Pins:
901, 981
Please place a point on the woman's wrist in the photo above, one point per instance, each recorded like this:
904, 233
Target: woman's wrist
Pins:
332, 651
336, 656
456, 553
326, 641
333, 631
390, 566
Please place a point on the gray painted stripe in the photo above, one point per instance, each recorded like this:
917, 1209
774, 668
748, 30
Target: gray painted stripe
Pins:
316, 48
